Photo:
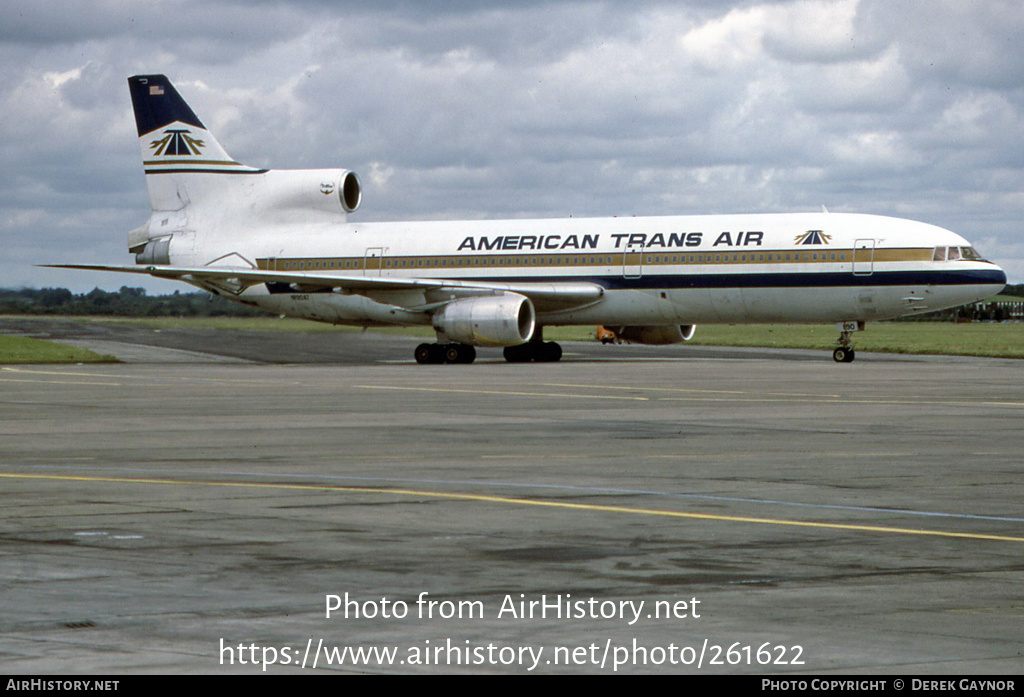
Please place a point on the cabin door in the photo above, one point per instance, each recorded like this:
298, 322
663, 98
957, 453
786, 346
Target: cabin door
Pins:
373, 262
633, 261
863, 257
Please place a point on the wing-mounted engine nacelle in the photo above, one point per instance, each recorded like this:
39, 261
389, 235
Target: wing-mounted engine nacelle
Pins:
658, 335
327, 190
488, 320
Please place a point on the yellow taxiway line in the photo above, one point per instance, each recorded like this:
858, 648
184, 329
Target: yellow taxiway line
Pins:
599, 508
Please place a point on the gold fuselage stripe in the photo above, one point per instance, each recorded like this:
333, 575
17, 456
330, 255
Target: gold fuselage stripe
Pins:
593, 259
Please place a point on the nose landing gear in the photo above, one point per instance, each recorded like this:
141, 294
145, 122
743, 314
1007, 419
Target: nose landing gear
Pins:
844, 353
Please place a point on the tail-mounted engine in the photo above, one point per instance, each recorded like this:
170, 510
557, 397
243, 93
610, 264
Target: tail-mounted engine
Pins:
350, 191
326, 190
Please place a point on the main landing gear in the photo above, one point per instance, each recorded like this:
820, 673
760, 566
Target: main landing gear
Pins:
844, 353
445, 353
535, 350
539, 351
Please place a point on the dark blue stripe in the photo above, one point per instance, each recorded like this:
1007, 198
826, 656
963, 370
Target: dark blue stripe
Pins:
207, 171
773, 280
762, 280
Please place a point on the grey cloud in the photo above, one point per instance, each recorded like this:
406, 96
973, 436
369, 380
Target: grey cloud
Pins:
953, 43
542, 108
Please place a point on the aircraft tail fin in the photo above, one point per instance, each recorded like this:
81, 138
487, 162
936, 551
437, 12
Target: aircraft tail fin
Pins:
196, 188
174, 142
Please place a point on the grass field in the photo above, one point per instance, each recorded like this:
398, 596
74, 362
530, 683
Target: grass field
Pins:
973, 339
19, 349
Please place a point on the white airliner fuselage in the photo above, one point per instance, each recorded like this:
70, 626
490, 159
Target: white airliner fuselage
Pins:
692, 269
281, 240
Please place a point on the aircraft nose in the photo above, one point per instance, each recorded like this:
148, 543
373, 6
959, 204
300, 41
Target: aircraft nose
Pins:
994, 276
1000, 276
996, 280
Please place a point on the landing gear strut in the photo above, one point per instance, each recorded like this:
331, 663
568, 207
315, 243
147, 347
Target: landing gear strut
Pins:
445, 353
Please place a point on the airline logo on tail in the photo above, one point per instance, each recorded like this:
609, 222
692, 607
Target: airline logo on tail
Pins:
177, 141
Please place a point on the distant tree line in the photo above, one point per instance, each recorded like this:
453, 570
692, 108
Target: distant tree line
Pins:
1000, 311
133, 302
127, 302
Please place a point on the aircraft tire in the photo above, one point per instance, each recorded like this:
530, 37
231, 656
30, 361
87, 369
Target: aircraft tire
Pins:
548, 352
843, 354
459, 353
424, 354
437, 353
522, 353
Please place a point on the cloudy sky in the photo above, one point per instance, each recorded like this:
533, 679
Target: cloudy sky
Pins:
459, 109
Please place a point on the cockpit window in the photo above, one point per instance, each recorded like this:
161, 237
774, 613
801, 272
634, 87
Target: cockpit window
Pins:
955, 253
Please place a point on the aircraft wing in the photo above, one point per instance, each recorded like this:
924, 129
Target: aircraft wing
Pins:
545, 296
